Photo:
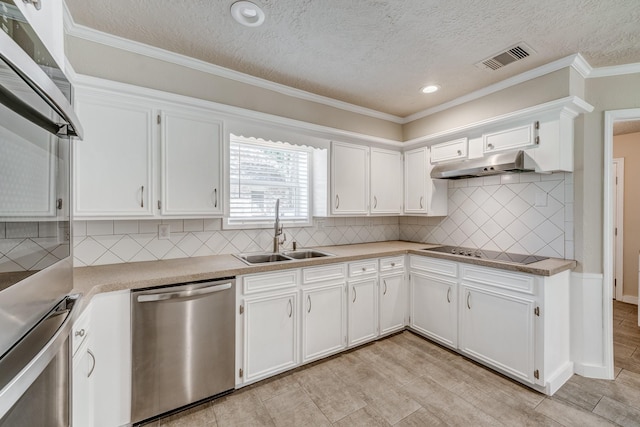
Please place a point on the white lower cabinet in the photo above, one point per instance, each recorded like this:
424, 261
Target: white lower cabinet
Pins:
433, 307
323, 320
393, 303
363, 310
101, 383
270, 334
497, 328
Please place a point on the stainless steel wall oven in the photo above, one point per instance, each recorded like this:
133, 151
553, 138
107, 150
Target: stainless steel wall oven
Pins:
36, 124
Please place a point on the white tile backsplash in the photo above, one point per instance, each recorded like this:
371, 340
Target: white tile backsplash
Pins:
483, 212
502, 215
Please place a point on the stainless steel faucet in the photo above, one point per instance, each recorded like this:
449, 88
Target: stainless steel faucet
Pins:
277, 230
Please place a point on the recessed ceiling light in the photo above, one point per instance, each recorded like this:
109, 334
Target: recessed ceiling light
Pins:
430, 89
247, 13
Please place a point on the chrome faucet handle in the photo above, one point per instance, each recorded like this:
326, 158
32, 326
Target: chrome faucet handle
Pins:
284, 238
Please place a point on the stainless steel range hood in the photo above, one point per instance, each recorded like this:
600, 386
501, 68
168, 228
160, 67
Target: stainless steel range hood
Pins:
509, 162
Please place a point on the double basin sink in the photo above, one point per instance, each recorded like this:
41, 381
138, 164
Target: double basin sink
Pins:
268, 257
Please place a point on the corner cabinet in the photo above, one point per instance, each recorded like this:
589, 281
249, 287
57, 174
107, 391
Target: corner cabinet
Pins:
144, 159
423, 195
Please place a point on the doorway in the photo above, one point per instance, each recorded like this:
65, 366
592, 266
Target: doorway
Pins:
613, 120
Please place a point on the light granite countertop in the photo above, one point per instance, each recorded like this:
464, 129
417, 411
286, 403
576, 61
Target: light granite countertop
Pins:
106, 278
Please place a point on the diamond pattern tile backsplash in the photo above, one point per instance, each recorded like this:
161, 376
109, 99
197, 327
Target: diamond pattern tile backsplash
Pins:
522, 213
112, 242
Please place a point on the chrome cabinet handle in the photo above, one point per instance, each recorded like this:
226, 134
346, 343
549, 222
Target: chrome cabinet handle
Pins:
459, 152
421, 198
375, 202
80, 333
215, 197
385, 287
449, 295
93, 365
309, 301
393, 264
35, 3
354, 294
337, 201
364, 268
290, 308
469, 301
142, 197
490, 146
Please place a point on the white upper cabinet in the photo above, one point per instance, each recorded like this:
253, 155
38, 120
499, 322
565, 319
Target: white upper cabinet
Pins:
191, 152
510, 139
349, 179
450, 150
143, 159
422, 195
113, 164
386, 180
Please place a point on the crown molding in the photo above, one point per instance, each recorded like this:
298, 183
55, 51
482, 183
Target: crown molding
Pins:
576, 61
229, 112
615, 70
571, 105
92, 35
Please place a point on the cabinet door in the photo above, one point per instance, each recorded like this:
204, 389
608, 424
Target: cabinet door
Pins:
111, 344
363, 311
349, 179
270, 335
112, 165
450, 150
415, 181
393, 303
323, 321
82, 388
386, 180
191, 164
433, 308
510, 139
498, 329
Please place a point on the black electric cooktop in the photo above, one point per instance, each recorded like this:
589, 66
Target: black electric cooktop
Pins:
489, 255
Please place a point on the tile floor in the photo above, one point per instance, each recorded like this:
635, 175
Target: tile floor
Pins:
405, 380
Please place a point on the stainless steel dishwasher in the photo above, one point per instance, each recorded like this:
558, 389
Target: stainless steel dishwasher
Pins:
183, 345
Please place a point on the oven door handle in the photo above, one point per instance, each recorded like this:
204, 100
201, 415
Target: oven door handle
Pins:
184, 294
13, 388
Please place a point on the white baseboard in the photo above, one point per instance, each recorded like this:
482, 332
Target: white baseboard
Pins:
629, 299
560, 377
592, 371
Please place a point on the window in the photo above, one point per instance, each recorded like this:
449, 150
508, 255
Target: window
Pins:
260, 173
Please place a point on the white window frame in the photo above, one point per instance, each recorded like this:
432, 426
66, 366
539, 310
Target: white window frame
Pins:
251, 223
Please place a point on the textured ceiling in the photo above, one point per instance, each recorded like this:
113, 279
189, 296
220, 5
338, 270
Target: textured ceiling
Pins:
377, 53
625, 127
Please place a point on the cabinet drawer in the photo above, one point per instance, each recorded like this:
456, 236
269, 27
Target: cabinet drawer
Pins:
392, 264
320, 274
433, 265
450, 150
80, 330
509, 139
499, 279
363, 268
269, 282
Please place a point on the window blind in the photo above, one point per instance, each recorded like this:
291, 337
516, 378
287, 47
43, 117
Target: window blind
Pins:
260, 173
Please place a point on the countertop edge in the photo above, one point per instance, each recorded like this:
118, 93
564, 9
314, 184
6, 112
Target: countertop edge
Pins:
94, 280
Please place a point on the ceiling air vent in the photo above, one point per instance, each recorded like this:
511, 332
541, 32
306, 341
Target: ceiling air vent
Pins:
506, 57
